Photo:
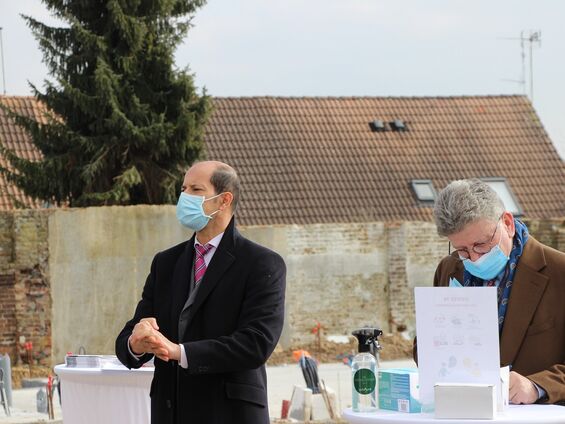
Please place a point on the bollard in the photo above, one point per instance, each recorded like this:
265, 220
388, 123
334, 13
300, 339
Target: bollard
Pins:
5, 365
41, 398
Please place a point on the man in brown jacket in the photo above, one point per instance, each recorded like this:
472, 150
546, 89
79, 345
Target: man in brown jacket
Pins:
492, 248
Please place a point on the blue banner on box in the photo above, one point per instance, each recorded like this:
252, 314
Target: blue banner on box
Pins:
398, 389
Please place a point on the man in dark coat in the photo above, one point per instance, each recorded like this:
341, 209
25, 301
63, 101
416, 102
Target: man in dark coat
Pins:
211, 312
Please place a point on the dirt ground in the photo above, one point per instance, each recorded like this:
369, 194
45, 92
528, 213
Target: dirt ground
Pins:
394, 347
20, 372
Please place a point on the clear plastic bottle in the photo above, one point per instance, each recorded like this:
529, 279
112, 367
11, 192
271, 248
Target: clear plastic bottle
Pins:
364, 368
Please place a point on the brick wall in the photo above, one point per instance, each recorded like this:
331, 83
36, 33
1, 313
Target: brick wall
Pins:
7, 315
56, 266
550, 232
337, 276
398, 288
25, 298
422, 250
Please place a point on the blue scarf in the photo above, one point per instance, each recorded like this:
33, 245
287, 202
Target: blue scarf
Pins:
503, 281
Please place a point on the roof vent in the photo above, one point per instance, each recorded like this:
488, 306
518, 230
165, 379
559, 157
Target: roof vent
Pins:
398, 125
377, 126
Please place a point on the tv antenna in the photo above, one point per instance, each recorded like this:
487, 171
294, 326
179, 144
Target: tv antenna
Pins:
527, 42
2, 59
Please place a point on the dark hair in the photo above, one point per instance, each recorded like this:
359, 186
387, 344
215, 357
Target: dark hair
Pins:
224, 178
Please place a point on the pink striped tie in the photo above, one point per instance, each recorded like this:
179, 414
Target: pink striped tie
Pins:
199, 263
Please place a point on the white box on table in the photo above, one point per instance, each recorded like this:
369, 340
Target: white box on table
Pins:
465, 401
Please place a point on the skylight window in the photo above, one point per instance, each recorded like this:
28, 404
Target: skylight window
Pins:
505, 193
424, 190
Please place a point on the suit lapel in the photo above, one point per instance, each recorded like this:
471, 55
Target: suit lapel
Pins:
181, 282
220, 263
527, 290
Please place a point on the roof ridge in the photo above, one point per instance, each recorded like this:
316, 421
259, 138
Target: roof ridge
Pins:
16, 96
329, 97
461, 96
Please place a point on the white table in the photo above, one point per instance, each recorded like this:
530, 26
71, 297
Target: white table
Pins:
95, 395
526, 414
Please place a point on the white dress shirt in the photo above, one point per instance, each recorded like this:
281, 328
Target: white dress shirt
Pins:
215, 242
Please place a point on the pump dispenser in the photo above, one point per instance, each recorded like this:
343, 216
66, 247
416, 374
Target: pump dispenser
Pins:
364, 369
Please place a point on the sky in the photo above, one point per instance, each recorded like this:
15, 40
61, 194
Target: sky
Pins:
350, 48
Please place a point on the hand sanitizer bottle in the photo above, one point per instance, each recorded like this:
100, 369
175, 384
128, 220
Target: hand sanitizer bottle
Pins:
364, 369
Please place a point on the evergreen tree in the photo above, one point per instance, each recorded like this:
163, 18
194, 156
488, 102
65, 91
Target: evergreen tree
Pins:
123, 123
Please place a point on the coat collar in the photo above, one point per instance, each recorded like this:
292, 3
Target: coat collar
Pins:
181, 283
458, 270
221, 261
527, 289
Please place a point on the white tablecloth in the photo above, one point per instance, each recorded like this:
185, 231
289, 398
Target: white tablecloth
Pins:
542, 414
94, 395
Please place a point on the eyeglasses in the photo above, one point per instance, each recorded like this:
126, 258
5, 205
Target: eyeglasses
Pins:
479, 248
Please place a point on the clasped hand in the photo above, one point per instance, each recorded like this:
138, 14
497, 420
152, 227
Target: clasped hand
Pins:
146, 338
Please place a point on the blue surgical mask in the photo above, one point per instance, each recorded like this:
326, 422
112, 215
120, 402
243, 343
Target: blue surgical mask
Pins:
489, 265
190, 211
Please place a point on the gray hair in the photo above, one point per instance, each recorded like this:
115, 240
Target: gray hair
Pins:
224, 179
463, 202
